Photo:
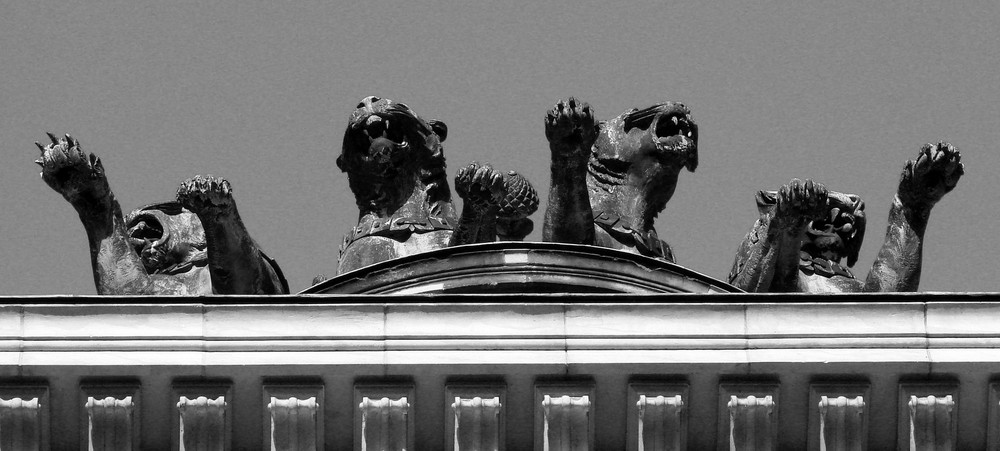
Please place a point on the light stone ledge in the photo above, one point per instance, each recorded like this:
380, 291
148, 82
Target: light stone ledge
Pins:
458, 333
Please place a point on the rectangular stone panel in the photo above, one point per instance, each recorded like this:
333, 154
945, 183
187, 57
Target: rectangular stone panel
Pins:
293, 417
474, 417
110, 417
657, 416
928, 416
203, 417
384, 419
564, 419
993, 428
24, 418
748, 416
838, 416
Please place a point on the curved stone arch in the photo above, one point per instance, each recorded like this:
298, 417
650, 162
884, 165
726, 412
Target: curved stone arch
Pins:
522, 267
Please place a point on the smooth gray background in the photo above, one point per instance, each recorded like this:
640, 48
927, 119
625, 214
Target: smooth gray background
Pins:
259, 92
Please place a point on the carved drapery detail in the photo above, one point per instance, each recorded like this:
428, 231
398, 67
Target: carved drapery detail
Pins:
660, 422
293, 423
841, 423
477, 424
20, 424
384, 424
202, 423
109, 423
931, 423
750, 423
566, 423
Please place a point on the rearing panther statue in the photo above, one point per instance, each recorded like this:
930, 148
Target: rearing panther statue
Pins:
610, 179
805, 231
196, 245
396, 169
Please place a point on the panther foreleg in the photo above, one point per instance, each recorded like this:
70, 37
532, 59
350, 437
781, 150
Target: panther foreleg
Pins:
236, 264
924, 181
80, 179
571, 132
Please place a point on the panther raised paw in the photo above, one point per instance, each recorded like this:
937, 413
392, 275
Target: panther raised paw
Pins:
570, 126
480, 186
203, 194
801, 202
79, 177
497, 205
934, 173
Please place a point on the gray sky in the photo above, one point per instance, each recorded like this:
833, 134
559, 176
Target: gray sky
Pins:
259, 92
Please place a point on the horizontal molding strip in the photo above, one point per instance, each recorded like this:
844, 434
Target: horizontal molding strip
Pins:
458, 333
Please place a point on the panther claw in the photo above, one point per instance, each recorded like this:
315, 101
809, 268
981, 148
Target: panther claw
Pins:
802, 200
480, 185
201, 194
571, 122
934, 173
70, 171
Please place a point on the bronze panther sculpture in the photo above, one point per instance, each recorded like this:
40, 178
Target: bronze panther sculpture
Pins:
396, 169
630, 164
197, 245
804, 231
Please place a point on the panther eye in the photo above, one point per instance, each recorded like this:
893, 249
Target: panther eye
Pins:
367, 101
639, 119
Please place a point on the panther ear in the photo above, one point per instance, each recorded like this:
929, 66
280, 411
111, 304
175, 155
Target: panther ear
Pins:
766, 201
439, 129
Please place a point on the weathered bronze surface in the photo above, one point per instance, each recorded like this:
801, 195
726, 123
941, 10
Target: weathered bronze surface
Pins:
630, 164
495, 205
161, 248
610, 179
396, 169
804, 231
235, 262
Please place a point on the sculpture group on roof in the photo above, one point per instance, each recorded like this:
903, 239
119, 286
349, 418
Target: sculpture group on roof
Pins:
609, 180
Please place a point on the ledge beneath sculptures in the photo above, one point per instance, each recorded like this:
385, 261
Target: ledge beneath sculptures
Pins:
913, 329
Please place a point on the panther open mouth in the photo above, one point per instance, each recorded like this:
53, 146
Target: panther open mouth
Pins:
389, 151
839, 233
839, 223
149, 238
378, 137
671, 129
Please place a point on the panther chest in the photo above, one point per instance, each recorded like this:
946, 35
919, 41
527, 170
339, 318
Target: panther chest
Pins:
372, 249
819, 275
815, 283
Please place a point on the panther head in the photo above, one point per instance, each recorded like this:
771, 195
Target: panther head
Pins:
836, 233
646, 147
387, 150
166, 237
840, 231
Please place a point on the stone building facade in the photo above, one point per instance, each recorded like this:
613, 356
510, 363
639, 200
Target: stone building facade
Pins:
505, 346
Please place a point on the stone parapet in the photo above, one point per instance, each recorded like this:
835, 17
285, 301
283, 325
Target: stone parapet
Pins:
691, 371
